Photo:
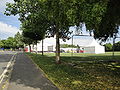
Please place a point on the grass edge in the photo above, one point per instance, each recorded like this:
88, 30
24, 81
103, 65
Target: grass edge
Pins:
45, 75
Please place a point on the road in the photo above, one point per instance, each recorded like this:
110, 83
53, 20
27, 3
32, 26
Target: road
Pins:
6, 64
25, 75
4, 59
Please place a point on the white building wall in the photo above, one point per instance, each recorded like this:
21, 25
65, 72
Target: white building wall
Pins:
88, 44
69, 49
94, 47
99, 49
45, 46
89, 49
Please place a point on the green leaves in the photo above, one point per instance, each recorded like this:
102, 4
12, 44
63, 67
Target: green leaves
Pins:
110, 20
100, 16
11, 42
108, 47
18, 40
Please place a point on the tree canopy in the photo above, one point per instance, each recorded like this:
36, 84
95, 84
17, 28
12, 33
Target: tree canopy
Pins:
110, 21
12, 42
54, 17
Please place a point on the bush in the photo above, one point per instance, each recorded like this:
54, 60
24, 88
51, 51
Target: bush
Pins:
108, 47
117, 46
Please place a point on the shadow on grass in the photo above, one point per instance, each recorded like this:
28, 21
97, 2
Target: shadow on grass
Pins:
93, 75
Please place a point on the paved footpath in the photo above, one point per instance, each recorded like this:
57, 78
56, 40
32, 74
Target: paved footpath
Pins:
26, 76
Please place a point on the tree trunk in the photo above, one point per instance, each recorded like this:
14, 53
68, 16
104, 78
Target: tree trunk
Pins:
42, 48
36, 46
57, 48
29, 48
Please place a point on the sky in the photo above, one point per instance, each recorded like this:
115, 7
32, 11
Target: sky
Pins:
9, 25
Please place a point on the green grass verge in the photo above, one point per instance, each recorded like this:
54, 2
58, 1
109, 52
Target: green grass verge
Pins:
92, 75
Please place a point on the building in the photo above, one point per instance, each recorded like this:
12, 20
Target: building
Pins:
48, 46
89, 45
86, 44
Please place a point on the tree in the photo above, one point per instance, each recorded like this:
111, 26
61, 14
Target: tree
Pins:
18, 40
27, 41
59, 22
110, 20
9, 43
102, 17
1, 44
32, 17
59, 15
117, 46
55, 12
108, 47
12, 42
34, 29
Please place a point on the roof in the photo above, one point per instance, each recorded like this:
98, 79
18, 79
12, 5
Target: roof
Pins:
85, 41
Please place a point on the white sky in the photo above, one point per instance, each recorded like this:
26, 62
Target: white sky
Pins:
3, 4
8, 24
7, 30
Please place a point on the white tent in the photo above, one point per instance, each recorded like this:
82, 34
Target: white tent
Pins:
89, 45
48, 45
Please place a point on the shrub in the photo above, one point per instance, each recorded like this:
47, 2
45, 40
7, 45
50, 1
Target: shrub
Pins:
108, 47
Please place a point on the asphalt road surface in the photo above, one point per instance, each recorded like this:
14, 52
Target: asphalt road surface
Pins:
5, 57
6, 65
26, 75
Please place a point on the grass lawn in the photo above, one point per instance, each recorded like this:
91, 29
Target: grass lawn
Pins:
81, 71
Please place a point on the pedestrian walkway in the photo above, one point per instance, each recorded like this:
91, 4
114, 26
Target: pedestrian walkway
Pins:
26, 76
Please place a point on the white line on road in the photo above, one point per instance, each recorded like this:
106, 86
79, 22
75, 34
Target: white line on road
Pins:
4, 72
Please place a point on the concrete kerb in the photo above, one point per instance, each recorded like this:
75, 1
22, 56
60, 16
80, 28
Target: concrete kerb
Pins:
45, 75
5, 76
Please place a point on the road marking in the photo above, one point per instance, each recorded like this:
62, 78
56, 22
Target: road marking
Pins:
5, 71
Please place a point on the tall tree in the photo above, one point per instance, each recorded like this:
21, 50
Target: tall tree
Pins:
32, 18
59, 22
34, 27
56, 16
18, 40
27, 41
110, 21
32, 14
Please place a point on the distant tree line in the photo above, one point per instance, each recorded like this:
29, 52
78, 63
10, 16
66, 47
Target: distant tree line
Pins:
12, 42
109, 46
67, 46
